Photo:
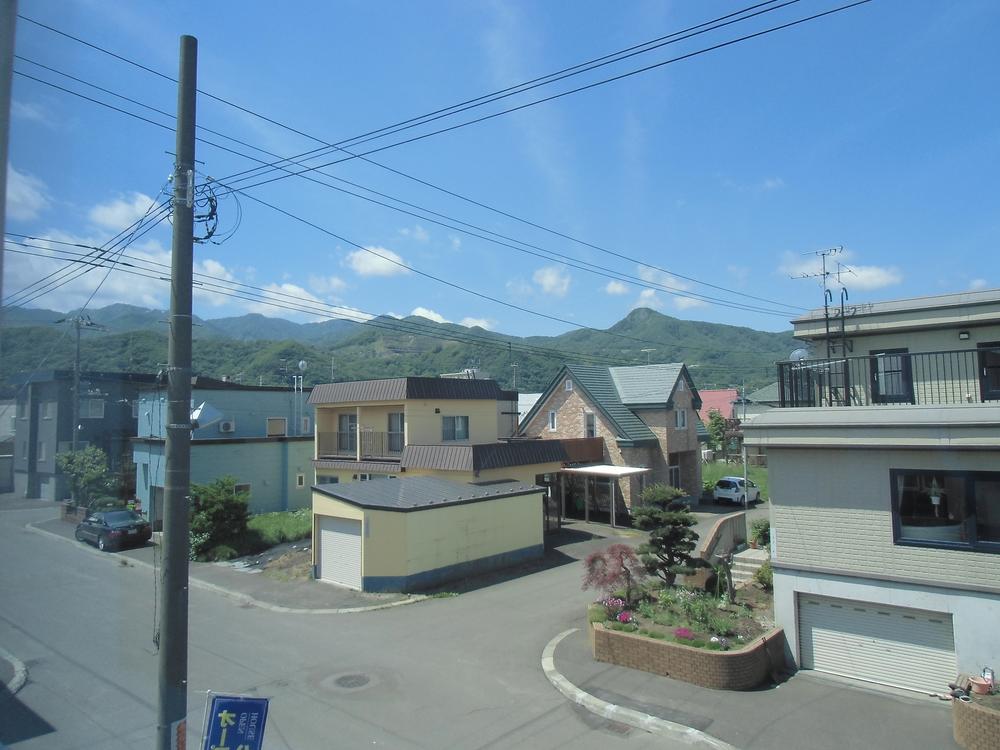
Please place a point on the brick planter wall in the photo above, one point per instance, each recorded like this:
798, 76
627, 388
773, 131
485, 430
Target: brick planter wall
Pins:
974, 726
723, 670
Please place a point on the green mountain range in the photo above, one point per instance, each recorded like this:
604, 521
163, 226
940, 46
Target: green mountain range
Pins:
256, 349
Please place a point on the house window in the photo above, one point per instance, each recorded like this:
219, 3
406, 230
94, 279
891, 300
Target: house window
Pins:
454, 428
22, 410
396, 432
347, 434
135, 409
40, 456
242, 488
569, 384
306, 425
891, 381
681, 419
946, 508
674, 476
989, 371
589, 425
92, 408
145, 475
277, 426
323, 479
552, 421
48, 409
300, 480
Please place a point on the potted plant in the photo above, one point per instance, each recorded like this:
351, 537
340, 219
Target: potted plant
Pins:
760, 533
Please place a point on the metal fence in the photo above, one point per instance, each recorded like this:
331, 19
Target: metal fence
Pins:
373, 444
893, 377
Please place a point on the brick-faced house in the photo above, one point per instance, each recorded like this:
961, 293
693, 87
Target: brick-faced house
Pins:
646, 415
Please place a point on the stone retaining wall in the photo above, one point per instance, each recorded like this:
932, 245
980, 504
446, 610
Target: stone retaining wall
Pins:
974, 726
723, 670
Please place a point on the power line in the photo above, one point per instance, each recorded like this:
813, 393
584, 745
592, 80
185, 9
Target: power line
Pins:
353, 314
579, 68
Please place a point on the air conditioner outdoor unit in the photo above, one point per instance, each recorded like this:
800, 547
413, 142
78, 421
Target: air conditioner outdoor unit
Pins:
227, 425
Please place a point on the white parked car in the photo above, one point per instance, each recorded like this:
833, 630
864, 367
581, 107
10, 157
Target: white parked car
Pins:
732, 490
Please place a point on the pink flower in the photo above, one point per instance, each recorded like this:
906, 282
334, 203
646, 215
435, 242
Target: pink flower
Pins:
684, 634
625, 616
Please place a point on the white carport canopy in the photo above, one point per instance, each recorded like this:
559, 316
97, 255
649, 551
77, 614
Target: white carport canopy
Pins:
609, 472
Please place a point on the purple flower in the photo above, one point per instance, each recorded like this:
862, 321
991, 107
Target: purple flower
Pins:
684, 634
625, 616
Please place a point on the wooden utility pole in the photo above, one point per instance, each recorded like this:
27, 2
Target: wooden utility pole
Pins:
171, 726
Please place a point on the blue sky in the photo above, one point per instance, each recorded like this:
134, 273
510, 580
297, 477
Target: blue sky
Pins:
876, 129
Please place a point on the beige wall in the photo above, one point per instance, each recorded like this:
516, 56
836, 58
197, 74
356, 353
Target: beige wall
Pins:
940, 325
423, 426
402, 544
832, 509
348, 475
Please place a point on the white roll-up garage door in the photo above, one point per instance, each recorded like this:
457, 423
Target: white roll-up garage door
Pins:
340, 551
906, 648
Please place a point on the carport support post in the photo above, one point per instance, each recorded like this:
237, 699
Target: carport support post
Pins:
586, 498
171, 724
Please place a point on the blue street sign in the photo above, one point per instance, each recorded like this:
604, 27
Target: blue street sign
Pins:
235, 723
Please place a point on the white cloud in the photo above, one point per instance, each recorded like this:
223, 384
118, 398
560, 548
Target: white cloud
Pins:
417, 233
375, 261
519, 288
326, 284
772, 183
456, 242
616, 287
276, 298
552, 280
979, 284
676, 288
478, 322
852, 276
27, 196
648, 298
424, 312
122, 212
30, 112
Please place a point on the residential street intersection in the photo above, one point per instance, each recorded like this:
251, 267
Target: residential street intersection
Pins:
459, 672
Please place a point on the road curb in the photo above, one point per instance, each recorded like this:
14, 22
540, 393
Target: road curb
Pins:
240, 598
628, 716
20, 671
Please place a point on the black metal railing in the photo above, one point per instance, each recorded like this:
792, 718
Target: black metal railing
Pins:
949, 377
373, 444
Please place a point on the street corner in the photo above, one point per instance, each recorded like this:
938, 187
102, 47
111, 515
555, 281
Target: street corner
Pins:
13, 672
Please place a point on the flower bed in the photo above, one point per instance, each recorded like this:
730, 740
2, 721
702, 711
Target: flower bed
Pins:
741, 669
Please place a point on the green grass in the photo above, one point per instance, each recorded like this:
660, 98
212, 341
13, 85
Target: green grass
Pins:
276, 528
717, 469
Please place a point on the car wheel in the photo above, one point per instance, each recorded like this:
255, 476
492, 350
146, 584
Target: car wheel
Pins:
102, 543
743, 500
78, 535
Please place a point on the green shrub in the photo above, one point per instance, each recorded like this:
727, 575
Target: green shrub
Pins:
664, 618
765, 575
624, 627
697, 643
760, 532
655, 634
714, 646
596, 613
219, 516
646, 610
277, 528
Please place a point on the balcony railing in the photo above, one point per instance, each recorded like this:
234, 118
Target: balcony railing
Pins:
949, 377
373, 445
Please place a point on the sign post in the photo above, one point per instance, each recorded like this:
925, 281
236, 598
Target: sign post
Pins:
235, 722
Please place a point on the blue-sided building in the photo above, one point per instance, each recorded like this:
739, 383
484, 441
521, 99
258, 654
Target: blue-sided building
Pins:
262, 435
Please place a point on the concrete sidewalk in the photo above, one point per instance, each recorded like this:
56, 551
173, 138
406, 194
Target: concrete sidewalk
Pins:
248, 585
807, 712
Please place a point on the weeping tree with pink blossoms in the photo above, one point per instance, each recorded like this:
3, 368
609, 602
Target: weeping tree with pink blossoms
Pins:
612, 569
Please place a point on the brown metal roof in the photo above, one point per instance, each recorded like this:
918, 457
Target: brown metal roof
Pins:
401, 389
421, 493
483, 456
363, 467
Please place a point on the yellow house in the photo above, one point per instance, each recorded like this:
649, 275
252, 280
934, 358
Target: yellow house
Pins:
418, 532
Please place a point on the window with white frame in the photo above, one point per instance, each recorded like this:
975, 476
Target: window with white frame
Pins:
306, 425
48, 409
681, 419
135, 409
41, 455
569, 384
674, 476
455, 428
552, 421
300, 480
589, 424
92, 408
946, 508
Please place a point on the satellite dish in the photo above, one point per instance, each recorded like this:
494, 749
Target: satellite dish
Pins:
302, 365
204, 415
798, 355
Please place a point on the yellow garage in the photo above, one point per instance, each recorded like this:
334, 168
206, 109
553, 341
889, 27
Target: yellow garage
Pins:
418, 532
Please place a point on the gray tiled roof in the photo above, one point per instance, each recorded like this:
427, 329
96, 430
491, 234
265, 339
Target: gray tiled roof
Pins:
769, 394
420, 493
483, 456
600, 386
401, 389
646, 384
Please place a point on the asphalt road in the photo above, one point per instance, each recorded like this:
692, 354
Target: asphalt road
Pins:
445, 673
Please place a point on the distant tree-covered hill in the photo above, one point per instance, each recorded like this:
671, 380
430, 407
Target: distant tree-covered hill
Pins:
255, 349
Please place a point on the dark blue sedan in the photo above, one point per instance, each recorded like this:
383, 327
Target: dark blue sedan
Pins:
114, 529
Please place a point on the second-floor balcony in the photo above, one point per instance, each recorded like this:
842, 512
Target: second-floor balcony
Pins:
360, 445
893, 377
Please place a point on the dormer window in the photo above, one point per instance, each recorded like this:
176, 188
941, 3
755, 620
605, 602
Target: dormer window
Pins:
569, 385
